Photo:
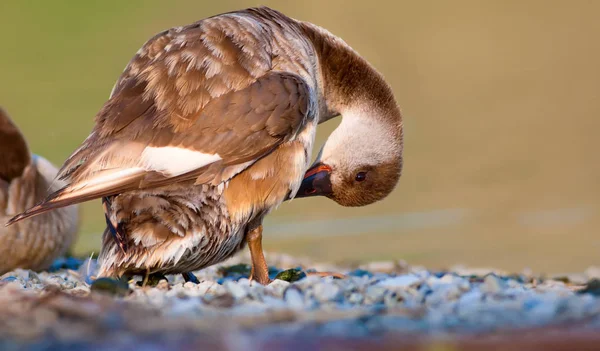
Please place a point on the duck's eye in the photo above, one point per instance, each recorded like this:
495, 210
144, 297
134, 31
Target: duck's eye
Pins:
360, 176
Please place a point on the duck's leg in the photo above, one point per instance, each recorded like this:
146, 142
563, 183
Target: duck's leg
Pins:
152, 279
190, 277
259, 270
116, 229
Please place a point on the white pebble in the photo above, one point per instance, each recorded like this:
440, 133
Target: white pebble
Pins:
294, 298
238, 291
326, 291
400, 281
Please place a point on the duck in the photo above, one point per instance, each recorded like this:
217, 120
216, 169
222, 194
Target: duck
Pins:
211, 126
24, 180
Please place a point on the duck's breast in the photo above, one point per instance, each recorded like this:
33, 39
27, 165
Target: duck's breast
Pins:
268, 182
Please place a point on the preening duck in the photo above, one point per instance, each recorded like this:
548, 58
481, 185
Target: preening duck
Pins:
24, 181
211, 126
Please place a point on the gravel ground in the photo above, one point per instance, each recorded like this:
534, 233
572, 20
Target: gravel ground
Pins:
381, 302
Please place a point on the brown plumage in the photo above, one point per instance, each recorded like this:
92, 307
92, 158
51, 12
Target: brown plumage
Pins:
24, 181
209, 128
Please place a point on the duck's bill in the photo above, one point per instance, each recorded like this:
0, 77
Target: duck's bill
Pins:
316, 182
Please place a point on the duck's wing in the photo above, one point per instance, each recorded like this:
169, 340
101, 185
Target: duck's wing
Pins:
14, 153
199, 102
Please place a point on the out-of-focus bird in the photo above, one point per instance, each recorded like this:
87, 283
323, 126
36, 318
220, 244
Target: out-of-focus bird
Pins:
24, 181
211, 126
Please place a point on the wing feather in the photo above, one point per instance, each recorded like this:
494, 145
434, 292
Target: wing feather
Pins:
195, 103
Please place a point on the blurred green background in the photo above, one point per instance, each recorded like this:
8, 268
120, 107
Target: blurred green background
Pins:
501, 108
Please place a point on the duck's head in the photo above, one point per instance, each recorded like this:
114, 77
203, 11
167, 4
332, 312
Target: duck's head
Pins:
361, 161
359, 164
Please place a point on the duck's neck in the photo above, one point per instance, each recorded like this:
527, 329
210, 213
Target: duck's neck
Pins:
350, 84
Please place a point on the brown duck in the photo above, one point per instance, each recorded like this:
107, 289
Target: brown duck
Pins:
211, 126
24, 181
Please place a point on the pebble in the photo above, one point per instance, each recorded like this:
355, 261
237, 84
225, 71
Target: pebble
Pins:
189, 285
444, 294
592, 273
9, 279
374, 294
326, 291
356, 298
294, 298
208, 287
492, 284
360, 273
34, 278
400, 281
462, 299
386, 266
237, 290
277, 287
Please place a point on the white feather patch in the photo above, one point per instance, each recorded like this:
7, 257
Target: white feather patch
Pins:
175, 161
